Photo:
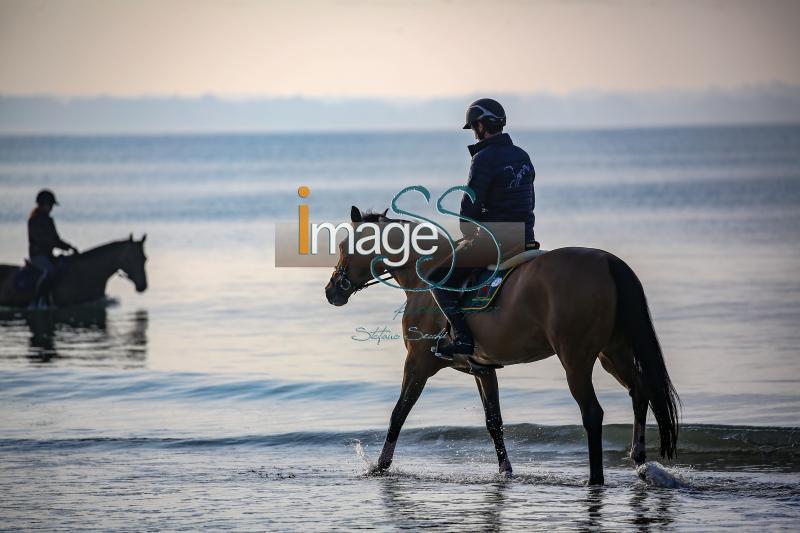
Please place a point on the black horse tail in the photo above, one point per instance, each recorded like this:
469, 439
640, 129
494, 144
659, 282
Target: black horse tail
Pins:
633, 322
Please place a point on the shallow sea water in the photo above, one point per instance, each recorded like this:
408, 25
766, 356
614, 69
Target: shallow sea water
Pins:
231, 395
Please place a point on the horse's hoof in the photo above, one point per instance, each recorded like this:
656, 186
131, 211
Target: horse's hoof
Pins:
378, 470
505, 470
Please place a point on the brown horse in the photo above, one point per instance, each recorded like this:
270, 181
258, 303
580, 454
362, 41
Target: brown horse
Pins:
84, 275
579, 303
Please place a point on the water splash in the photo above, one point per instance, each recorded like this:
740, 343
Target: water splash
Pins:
362, 454
655, 474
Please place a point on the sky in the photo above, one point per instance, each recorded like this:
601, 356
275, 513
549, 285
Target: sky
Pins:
388, 49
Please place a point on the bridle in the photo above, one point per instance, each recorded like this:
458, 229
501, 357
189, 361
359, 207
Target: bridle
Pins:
346, 285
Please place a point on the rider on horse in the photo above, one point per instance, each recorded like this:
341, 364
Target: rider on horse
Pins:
42, 239
501, 175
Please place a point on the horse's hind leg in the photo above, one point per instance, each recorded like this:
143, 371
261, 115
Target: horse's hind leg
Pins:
487, 386
638, 448
618, 361
579, 378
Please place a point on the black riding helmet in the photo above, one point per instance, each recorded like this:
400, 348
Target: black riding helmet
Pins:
486, 110
46, 196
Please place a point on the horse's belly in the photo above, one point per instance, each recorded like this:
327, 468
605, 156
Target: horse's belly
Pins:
506, 357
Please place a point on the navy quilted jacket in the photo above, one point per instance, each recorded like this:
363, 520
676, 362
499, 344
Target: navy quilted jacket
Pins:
502, 176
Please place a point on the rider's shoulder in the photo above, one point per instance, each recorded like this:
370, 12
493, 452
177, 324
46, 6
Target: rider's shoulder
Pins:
36, 217
38, 214
519, 153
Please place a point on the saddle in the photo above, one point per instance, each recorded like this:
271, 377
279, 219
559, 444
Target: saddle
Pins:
481, 298
27, 276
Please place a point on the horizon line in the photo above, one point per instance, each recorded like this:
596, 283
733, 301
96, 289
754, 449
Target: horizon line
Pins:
789, 123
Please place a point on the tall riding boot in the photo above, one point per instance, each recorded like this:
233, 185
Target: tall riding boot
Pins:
462, 341
41, 294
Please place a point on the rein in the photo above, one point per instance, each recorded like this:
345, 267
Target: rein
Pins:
345, 284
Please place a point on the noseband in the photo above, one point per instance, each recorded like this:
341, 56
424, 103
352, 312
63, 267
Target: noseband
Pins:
346, 285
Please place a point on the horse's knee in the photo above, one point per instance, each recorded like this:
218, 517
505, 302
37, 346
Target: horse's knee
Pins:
493, 417
494, 426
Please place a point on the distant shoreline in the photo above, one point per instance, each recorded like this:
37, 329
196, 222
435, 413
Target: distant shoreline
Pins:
769, 104
358, 132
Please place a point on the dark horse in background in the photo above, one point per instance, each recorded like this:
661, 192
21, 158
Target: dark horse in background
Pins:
582, 304
82, 278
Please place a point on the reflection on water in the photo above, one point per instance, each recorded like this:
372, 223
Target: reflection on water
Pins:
83, 335
525, 503
594, 507
411, 506
652, 507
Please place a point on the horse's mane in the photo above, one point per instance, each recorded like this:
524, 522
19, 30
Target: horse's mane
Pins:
377, 216
88, 254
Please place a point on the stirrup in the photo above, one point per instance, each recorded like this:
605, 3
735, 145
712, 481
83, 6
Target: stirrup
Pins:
454, 348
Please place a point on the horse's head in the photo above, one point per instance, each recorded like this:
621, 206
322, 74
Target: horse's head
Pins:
133, 260
352, 271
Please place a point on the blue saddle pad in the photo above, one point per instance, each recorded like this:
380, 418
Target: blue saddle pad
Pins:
478, 299
26, 277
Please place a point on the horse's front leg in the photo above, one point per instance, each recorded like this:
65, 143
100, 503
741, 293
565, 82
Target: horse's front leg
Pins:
415, 376
490, 396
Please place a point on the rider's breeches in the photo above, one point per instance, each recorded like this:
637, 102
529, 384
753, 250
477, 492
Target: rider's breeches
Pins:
45, 266
472, 254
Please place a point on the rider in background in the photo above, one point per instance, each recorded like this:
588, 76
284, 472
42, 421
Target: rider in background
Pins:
42, 239
501, 175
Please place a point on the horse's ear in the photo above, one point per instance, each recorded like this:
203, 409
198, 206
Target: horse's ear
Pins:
144, 238
130, 238
355, 214
384, 212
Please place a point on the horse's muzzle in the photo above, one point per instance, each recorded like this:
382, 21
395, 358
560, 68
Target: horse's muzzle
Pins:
334, 296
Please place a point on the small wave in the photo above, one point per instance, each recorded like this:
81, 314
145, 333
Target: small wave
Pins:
65, 384
725, 441
694, 438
